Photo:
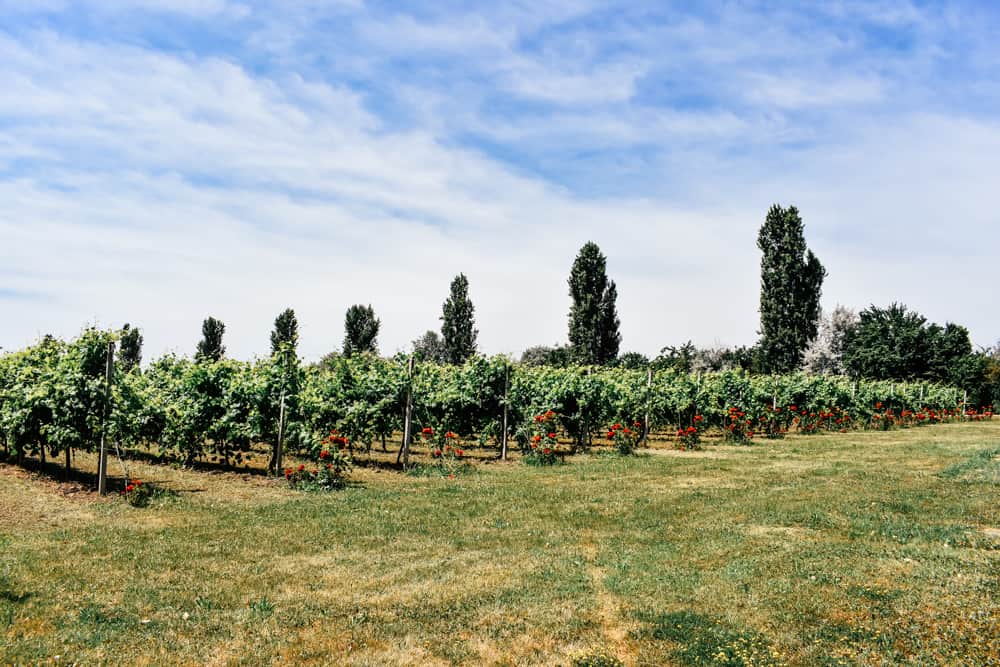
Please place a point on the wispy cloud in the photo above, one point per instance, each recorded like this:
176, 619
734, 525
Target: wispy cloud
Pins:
234, 159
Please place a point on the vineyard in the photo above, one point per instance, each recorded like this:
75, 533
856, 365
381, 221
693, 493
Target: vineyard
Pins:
55, 399
834, 539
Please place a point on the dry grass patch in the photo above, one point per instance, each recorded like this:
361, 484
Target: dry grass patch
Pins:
876, 548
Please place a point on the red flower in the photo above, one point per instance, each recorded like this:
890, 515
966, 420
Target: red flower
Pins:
323, 454
129, 488
617, 426
546, 451
637, 424
611, 434
459, 453
449, 434
302, 467
427, 430
698, 418
552, 435
437, 452
537, 438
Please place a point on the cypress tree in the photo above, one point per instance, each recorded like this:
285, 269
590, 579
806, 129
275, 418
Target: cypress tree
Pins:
593, 318
210, 346
457, 322
791, 280
360, 330
286, 330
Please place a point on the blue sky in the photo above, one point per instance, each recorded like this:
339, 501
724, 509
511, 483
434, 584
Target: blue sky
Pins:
164, 160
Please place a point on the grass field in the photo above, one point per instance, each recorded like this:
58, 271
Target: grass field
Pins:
866, 548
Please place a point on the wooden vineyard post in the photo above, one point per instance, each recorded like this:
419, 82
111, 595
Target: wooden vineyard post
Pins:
408, 419
280, 447
696, 392
649, 390
102, 460
506, 390
965, 401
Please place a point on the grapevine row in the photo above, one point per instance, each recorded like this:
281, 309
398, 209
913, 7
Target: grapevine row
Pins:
52, 402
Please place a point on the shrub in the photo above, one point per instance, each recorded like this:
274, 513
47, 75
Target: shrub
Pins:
332, 464
138, 493
542, 447
739, 429
448, 459
689, 438
624, 438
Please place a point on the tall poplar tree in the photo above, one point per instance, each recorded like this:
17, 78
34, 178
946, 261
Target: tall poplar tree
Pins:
130, 350
360, 330
457, 322
593, 317
210, 346
791, 280
286, 330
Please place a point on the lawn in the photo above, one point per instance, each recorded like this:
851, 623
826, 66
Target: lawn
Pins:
865, 548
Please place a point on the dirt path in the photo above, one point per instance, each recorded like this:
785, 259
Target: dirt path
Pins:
609, 608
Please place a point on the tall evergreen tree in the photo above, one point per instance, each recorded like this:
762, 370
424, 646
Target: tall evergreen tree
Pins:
286, 330
593, 318
210, 346
360, 330
457, 322
791, 280
130, 349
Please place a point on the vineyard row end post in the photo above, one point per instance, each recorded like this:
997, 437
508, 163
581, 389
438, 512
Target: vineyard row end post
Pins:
102, 460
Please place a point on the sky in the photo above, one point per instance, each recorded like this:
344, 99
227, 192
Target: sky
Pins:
166, 160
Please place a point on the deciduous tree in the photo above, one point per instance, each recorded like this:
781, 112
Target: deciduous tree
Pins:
210, 348
791, 280
593, 317
286, 330
457, 322
360, 330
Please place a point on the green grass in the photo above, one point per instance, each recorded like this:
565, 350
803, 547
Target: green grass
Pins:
868, 548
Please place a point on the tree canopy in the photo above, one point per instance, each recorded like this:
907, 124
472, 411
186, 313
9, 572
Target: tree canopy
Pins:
210, 347
791, 280
360, 330
286, 330
457, 322
593, 317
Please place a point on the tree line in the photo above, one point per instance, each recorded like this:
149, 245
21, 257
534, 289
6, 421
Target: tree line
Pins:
891, 343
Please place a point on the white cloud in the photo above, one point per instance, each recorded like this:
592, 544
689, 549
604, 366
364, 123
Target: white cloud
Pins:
160, 188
